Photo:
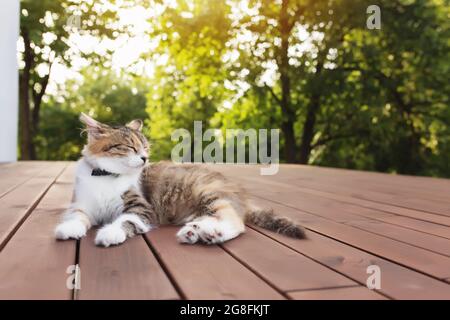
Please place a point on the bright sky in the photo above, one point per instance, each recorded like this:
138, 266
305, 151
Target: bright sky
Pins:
128, 49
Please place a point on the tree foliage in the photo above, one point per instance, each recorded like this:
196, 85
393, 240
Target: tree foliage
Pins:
343, 95
46, 29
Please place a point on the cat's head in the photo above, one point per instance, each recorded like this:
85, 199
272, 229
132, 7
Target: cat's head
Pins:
120, 150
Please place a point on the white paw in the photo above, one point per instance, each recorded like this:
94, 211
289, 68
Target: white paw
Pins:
110, 234
187, 234
211, 231
71, 229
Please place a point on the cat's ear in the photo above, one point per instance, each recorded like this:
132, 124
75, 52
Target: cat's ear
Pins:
135, 124
94, 128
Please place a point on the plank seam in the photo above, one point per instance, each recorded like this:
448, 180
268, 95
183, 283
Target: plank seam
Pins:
18, 185
349, 201
326, 288
373, 218
404, 207
30, 210
256, 273
164, 267
307, 190
75, 291
389, 203
365, 216
302, 190
364, 250
398, 240
318, 261
348, 225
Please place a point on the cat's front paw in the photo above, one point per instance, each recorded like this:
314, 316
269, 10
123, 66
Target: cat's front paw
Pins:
71, 229
110, 235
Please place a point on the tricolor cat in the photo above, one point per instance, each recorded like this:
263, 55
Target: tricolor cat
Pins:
118, 190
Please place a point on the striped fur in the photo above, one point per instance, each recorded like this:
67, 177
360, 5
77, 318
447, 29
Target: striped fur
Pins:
268, 220
182, 193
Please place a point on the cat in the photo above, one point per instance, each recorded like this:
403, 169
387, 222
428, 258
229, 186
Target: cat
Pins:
116, 188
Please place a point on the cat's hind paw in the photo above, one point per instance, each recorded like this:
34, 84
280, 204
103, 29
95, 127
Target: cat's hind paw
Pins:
187, 234
212, 231
110, 234
209, 232
71, 229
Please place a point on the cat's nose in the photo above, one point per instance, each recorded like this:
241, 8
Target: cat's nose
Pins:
144, 159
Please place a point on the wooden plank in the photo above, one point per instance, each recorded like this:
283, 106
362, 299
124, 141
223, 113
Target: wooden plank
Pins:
352, 293
416, 258
33, 265
415, 214
412, 201
16, 205
399, 185
128, 271
238, 270
407, 284
343, 211
397, 281
361, 185
17, 173
207, 272
355, 184
336, 210
422, 226
4, 166
397, 211
284, 268
418, 239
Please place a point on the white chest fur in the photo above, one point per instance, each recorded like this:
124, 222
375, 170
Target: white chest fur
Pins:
100, 196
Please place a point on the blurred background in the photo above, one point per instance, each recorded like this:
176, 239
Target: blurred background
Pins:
343, 95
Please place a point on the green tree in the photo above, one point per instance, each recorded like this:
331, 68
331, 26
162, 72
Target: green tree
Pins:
45, 29
402, 75
104, 95
189, 73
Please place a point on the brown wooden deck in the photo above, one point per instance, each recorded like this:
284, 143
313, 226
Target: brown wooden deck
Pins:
354, 219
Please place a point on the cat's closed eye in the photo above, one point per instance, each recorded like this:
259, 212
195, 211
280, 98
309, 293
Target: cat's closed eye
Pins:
121, 148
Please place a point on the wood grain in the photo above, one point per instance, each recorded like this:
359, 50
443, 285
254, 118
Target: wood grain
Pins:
17, 204
353, 293
282, 267
33, 265
353, 220
207, 272
128, 271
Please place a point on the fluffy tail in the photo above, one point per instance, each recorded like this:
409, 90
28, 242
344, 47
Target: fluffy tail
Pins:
267, 219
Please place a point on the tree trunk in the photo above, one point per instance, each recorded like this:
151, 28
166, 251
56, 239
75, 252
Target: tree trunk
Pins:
308, 129
283, 64
409, 155
289, 141
35, 116
411, 160
313, 108
24, 96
